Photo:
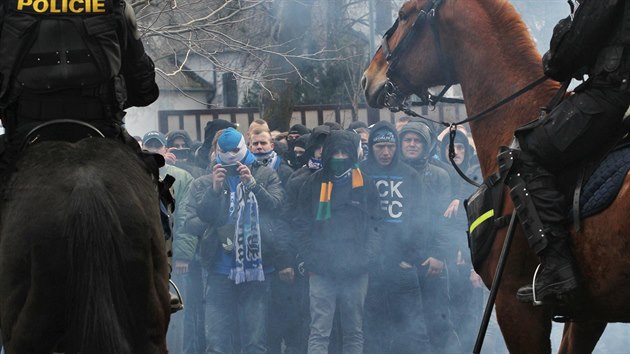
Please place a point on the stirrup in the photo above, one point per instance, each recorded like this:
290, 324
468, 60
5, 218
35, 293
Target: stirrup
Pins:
176, 301
535, 302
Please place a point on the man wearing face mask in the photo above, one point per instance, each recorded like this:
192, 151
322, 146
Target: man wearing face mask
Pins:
312, 158
393, 310
296, 131
262, 146
299, 148
337, 224
232, 212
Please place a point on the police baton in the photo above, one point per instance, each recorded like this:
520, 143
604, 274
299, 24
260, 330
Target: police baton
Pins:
495, 285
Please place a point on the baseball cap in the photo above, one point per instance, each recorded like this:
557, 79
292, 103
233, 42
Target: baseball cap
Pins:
154, 135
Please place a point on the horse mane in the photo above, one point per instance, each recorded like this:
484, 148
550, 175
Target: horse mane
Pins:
507, 23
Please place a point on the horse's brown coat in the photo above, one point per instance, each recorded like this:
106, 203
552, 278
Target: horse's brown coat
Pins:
492, 56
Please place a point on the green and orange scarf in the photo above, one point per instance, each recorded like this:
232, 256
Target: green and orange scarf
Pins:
325, 192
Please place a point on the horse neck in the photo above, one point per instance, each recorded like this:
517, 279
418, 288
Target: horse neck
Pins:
500, 60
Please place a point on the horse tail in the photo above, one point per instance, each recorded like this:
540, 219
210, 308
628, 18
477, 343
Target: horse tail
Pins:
99, 310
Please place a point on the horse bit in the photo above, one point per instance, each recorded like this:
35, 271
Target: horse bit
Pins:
395, 100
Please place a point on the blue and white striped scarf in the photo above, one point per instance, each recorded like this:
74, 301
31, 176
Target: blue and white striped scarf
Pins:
247, 244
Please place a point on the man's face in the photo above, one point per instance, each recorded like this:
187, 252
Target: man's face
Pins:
384, 153
261, 143
460, 153
364, 137
292, 137
412, 146
154, 145
299, 151
179, 143
318, 152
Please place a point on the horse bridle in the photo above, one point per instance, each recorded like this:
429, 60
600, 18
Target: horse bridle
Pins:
394, 98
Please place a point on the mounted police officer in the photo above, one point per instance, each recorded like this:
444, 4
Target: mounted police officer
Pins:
593, 40
78, 60
70, 59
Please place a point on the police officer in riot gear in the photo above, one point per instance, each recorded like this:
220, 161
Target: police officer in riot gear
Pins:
70, 59
73, 60
593, 41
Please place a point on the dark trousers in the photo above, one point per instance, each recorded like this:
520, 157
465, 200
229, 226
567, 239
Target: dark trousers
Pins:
575, 130
194, 341
394, 318
435, 296
288, 317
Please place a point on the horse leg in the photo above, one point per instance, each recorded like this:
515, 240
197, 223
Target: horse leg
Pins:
525, 328
581, 337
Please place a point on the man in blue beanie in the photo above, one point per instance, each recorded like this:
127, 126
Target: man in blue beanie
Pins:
232, 213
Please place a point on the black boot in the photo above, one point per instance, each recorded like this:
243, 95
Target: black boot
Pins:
557, 275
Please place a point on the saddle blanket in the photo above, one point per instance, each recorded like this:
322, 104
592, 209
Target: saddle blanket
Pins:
603, 185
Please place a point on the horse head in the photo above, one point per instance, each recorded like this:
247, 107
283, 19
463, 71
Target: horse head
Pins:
414, 54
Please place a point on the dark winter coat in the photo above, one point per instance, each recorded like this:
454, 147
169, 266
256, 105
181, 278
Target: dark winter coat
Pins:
342, 246
206, 211
403, 233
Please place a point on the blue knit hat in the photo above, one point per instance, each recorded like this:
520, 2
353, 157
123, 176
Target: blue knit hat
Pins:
230, 140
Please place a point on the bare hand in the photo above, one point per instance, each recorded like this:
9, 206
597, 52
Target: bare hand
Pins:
452, 209
475, 279
169, 157
181, 267
245, 173
435, 266
218, 176
287, 274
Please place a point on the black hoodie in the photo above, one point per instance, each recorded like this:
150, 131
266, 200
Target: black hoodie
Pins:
403, 236
343, 245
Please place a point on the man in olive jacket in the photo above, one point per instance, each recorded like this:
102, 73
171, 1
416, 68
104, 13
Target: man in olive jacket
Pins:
231, 212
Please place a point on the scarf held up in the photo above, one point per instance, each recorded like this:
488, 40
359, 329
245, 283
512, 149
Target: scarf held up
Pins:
247, 239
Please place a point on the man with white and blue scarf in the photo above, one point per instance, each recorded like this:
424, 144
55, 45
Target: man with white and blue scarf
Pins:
262, 146
231, 209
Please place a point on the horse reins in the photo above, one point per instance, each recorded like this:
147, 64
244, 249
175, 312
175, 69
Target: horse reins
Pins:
393, 94
426, 14
453, 126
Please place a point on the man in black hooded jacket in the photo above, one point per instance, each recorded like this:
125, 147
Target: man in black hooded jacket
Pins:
394, 310
338, 225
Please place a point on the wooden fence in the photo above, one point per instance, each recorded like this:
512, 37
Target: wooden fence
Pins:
194, 121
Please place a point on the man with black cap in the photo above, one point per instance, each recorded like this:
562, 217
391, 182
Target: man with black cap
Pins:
394, 314
338, 221
296, 131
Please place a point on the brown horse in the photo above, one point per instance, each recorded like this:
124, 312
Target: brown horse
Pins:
83, 266
485, 47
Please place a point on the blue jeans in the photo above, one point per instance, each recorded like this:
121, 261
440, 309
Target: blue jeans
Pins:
394, 317
236, 313
324, 294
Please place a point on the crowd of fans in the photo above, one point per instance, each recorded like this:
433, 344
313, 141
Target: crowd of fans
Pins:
328, 240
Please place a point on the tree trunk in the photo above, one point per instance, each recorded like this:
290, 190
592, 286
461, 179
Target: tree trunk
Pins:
294, 18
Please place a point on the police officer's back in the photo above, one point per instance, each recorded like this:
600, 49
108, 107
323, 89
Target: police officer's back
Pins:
70, 59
